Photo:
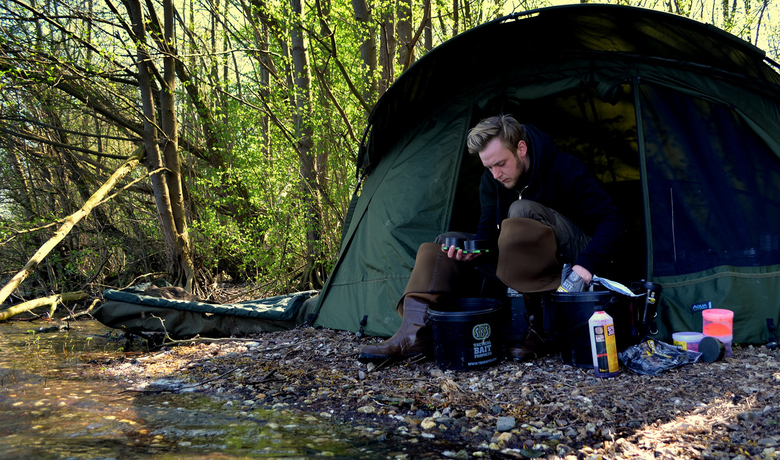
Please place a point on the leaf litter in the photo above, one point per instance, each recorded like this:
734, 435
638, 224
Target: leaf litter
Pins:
544, 408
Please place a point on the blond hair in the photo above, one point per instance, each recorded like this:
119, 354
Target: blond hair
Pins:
508, 130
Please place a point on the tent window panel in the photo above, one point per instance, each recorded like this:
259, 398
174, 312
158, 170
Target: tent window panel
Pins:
599, 127
713, 186
602, 133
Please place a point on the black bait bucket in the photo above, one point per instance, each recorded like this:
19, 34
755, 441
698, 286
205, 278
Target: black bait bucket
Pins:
570, 323
466, 333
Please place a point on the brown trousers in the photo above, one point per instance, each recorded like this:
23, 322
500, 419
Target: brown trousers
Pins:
433, 273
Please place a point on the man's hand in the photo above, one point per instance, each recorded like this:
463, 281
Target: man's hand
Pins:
458, 254
584, 273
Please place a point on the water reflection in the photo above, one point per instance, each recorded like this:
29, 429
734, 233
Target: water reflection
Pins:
48, 410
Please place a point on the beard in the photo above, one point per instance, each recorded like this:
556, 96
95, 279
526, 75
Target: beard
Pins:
515, 178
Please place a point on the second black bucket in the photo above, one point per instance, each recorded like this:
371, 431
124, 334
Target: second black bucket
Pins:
570, 323
467, 335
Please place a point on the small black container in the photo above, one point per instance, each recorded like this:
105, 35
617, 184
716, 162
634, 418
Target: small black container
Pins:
457, 242
475, 246
711, 349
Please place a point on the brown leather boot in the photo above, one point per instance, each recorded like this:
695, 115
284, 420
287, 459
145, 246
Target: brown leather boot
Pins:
414, 336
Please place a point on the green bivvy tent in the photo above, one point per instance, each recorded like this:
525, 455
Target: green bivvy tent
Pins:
678, 119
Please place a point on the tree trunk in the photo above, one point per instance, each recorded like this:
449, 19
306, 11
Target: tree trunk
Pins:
428, 25
183, 249
308, 170
167, 183
262, 38
367, 48
455, 18
261, 26
405, 42
387, 48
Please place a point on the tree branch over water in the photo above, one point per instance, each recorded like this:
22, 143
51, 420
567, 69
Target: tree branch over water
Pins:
42, 302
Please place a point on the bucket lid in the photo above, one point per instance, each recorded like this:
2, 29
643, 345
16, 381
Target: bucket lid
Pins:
687, 336
717, 314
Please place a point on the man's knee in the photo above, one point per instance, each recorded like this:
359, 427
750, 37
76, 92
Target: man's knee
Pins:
527, 256
433, 271
531, 210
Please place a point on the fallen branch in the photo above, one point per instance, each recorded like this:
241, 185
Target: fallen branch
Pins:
81, 313
70, 221
51, 301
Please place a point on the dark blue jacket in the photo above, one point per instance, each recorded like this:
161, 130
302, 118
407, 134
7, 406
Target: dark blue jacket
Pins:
560, 182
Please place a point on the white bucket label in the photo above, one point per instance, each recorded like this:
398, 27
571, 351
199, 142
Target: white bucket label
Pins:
483, 349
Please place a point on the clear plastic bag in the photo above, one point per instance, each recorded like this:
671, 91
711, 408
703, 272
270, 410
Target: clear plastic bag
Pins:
651, 357
614, 286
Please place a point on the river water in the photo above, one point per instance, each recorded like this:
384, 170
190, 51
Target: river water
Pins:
48, 410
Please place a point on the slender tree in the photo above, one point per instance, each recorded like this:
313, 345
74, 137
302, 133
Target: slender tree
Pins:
406, 43
167, 183
388, 43
368, 53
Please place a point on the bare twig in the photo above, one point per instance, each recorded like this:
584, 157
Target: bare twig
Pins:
83, 312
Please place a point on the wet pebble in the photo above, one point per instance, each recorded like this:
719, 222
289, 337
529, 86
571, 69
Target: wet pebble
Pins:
446, 421
367, 410
505, 423
504, 438
428, 423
